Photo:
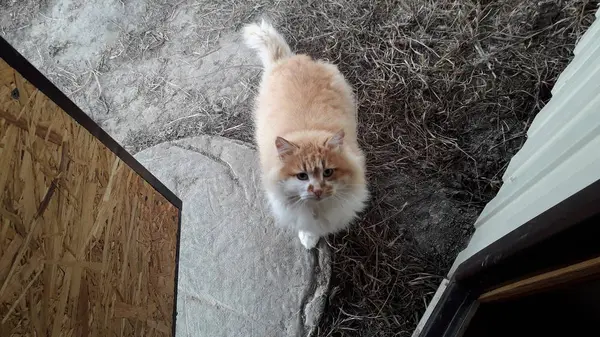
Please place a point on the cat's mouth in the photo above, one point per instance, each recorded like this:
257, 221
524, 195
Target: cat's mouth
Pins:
315, 198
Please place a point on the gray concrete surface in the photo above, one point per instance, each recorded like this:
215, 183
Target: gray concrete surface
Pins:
239, 274
147, 71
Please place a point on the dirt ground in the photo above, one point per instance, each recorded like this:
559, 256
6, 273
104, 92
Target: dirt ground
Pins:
446, 91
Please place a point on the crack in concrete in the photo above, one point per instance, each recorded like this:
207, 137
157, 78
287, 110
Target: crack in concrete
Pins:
310, 293
211, 301
229, 169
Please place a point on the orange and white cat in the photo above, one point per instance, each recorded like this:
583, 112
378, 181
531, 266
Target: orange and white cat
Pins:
305, 115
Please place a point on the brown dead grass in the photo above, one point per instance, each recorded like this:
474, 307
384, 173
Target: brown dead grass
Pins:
17, 14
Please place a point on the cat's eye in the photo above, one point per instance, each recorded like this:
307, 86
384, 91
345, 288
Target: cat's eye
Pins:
302, 176
327, 172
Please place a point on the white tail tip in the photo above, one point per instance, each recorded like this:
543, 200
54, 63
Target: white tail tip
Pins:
269, 44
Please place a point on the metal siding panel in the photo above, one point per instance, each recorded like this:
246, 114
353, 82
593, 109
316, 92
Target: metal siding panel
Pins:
586, 36
561, 155
578, 66
567, 179
554, 115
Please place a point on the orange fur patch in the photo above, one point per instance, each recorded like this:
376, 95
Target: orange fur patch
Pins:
308, 102
315, 159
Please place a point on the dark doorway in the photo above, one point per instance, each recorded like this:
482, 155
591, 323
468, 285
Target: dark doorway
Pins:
571, 310
542, 279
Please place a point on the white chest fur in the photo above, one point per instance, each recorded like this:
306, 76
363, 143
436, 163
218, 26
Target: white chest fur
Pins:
319, 217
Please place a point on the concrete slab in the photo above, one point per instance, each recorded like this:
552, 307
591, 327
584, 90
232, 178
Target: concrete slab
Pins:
146, 71
239, 274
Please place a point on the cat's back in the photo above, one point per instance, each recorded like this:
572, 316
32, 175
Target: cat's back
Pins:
302, 93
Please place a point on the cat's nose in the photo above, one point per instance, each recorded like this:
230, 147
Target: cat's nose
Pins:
318, 193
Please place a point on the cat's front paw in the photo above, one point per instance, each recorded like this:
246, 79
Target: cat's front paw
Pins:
308, 240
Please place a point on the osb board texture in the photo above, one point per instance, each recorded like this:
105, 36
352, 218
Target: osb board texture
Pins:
87, 247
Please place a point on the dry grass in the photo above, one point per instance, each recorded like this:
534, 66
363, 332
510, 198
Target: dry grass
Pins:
446, 91
17, 14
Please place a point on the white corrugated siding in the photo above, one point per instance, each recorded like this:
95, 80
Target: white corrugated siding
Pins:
561, 155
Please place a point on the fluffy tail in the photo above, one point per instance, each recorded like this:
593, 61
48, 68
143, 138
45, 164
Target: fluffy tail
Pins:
269, 44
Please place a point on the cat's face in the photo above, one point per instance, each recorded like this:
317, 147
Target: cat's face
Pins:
314, 171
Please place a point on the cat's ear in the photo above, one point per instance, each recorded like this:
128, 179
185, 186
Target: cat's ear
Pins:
336, 141
284, 147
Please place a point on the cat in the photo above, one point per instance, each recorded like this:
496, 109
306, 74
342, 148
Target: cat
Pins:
306, 132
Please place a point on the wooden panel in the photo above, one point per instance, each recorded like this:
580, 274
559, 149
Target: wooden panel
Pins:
87, 247
545, 281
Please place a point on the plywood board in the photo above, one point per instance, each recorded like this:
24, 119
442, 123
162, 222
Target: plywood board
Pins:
87, 246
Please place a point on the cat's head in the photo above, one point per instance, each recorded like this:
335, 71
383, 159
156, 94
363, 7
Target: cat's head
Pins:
316, 170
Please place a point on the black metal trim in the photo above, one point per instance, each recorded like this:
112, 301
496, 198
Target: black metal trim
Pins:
554, 221
572, 245
564, 234
177, 249
31, 74
449, 315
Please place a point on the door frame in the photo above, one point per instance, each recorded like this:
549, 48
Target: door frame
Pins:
561, 236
